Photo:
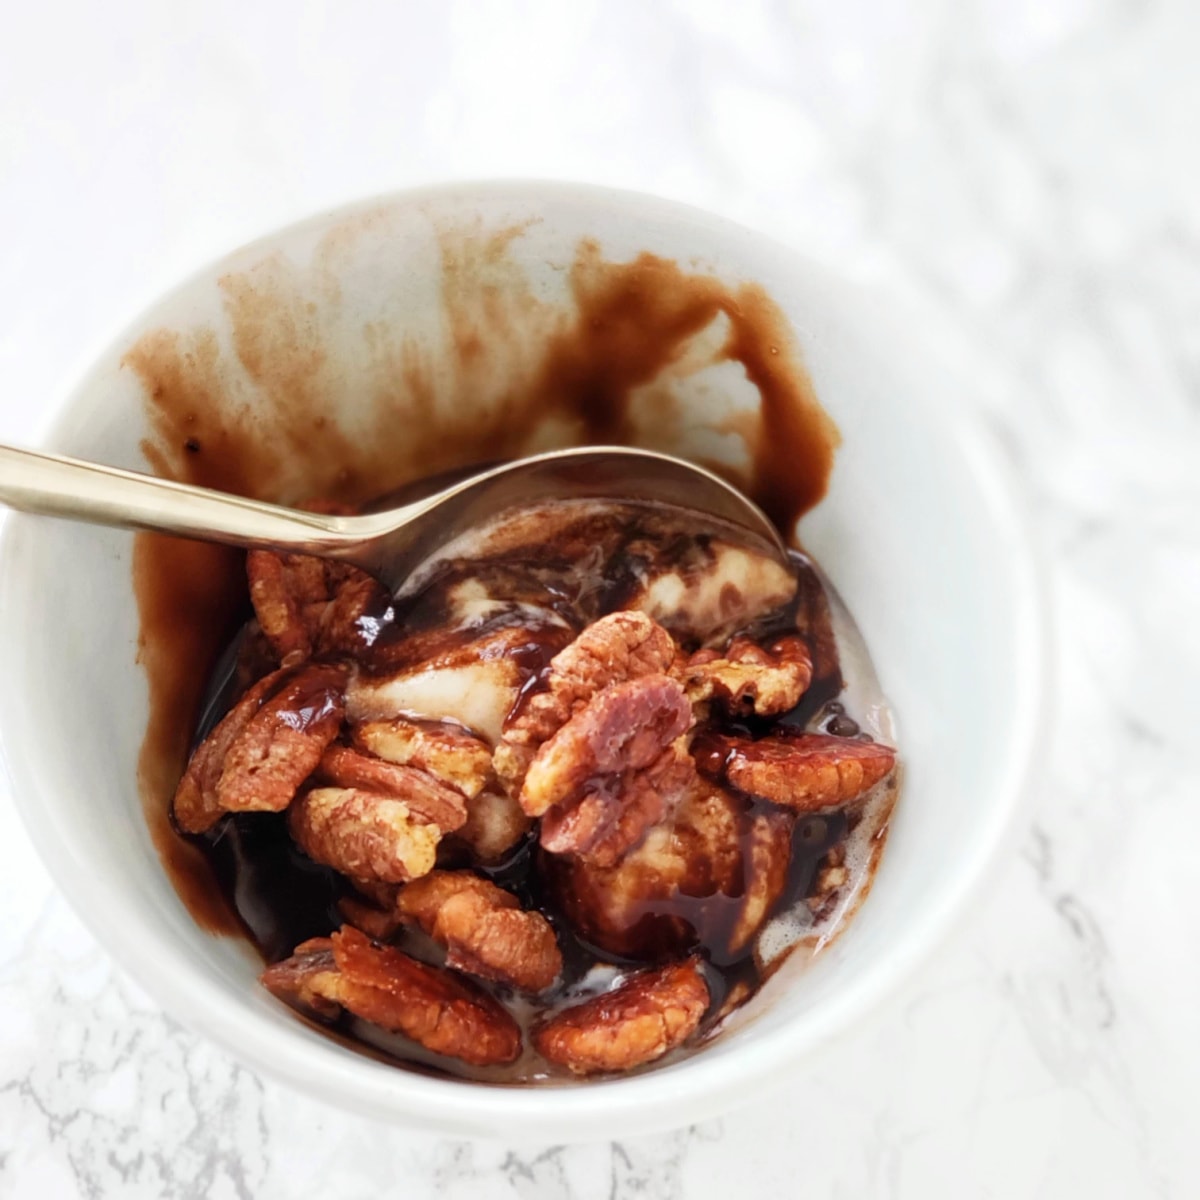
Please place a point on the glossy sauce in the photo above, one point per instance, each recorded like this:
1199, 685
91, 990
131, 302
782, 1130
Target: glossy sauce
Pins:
281, 898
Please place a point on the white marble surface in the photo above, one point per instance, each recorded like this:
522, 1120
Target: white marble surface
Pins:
1024, 173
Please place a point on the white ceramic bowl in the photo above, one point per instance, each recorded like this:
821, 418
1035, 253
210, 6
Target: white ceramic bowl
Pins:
918, 532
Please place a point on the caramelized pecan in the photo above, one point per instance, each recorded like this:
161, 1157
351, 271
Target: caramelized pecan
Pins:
616, 648
307, 605
363, 834
277, 582
307, 979
372, 907
625, 728
444, 1012
264, 748
426, 797
766, 856
445, 751
805, 773
604, 823
195, 805
483, 929
611, 771
283, 742
637, 1022
832, 875
379, 821
748, 678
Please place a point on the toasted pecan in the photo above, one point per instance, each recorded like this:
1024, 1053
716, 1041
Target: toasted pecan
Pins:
639, 1021
279, 584
612, 771
429, 799
766, 856
308, 978
623, 729
447, 752
616, 648
375, 922
364, 835
307, 605
283, 742
749, 678
264, 748
195, 805
483, 928
831, 876
442, 1011
805, 773
605, 823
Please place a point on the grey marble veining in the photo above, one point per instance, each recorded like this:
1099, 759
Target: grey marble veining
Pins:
1023, 175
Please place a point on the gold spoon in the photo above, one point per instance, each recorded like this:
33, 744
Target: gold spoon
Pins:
390, 543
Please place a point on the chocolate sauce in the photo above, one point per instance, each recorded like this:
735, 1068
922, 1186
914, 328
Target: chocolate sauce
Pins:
281, 898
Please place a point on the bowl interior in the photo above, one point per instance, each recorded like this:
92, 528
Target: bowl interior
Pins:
431, 311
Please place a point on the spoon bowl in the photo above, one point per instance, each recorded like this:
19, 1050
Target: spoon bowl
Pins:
387, 544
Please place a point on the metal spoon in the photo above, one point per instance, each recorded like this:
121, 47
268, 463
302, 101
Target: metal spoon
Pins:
388, 544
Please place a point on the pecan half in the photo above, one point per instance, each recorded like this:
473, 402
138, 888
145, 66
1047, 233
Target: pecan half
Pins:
308, 978
611, 771
805, 773
371, 908
363, 834
483, 928
625, 728
308, 605
605, 823
264, 748
283, 742
426, 797
195, 804
637, 1022
444, 751
766, 856
748, 678
444, 1012
831, 876
616, 648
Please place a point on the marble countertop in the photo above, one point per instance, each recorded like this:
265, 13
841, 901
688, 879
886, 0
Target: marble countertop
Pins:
1023, 173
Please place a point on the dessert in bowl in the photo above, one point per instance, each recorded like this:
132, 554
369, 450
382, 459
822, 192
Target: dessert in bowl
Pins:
354, 355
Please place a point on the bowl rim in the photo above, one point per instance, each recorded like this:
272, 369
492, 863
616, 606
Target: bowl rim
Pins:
698, 1087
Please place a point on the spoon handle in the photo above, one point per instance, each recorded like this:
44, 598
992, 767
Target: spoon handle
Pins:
56, 486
